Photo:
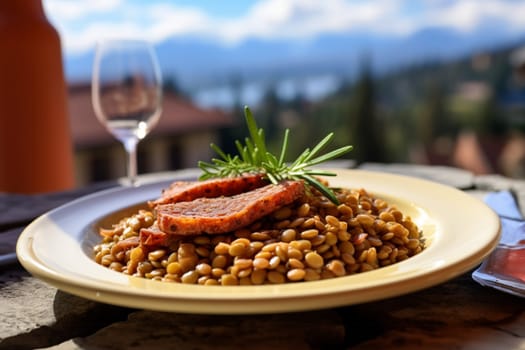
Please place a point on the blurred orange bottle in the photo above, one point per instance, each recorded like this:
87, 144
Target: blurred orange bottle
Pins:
36, 150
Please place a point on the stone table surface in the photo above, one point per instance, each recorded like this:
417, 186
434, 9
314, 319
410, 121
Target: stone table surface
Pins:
457, 314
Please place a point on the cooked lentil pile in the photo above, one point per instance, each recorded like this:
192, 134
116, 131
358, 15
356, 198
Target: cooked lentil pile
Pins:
309, 240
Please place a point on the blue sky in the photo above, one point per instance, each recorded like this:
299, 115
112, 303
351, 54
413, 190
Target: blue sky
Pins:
82, 23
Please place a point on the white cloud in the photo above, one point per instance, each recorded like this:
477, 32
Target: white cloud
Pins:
82, 22
306, 18
67, 10
467, 15
87, 38
168, 20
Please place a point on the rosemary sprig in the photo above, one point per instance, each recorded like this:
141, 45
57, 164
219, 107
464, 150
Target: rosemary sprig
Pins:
253, 157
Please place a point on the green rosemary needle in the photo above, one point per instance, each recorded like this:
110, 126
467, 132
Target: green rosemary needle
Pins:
253, 157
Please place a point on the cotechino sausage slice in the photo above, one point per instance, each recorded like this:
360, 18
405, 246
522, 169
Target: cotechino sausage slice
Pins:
153, 236
183, 191
225, 214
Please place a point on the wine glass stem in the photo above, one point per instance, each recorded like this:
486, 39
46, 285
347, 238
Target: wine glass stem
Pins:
131, 149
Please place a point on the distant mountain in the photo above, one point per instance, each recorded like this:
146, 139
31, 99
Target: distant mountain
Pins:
197, 62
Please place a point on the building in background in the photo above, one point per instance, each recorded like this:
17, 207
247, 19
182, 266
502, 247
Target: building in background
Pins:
181, 138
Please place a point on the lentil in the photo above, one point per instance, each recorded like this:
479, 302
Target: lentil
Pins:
304, 241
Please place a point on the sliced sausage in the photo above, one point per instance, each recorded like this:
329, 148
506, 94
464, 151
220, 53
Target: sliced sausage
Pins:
182, 191
225, 214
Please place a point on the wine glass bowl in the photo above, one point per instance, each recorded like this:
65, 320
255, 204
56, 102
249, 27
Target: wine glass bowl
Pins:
127, 92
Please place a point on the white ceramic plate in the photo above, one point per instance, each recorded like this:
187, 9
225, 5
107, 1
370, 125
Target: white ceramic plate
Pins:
460, 231
455, 177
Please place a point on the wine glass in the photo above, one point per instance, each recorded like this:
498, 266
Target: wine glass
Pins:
127, 93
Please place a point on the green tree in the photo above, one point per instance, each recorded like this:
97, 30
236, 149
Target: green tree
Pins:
365, 125
270, 110
170, 84
237, 131
432, 121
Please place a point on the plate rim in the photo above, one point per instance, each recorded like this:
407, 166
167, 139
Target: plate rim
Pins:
190, 303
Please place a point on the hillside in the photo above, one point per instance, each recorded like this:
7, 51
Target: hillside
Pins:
198, 63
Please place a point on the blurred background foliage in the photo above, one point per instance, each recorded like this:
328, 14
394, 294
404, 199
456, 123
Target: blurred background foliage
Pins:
421, 113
